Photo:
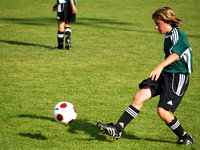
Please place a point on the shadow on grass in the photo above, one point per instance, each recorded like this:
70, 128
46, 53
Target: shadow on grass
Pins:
36, 117
111, 24
130, 136
79, 21
88, 127
83, 21
31, 21
37, 136
23, 43
99, 23
77, 125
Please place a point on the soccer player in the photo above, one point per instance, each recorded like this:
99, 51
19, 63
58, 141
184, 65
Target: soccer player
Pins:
169, 79
66, 13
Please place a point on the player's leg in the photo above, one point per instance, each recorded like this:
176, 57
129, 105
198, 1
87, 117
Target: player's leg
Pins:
174, 87
141, 96
130, 113
165, 115
68, 18
68, 35
60, 34
61, 26
173, 123
133, 110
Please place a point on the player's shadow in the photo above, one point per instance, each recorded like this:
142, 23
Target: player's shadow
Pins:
23, 43
131, 136
89, 127
86, 126
36, 117
31, 21
37, 136
112, 24
78, 125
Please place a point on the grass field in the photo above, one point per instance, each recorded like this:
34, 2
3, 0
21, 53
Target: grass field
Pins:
114, 47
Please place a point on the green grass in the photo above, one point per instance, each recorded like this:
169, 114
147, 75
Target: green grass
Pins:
114, 47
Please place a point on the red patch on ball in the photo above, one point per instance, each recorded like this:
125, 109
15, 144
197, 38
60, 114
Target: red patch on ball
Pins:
63, 105
74, 109
70, 121
59, 117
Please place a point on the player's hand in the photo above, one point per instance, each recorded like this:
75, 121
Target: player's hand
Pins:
55, 7
74, 10
155, 74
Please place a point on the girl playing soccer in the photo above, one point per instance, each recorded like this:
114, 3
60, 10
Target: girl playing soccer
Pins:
169, 79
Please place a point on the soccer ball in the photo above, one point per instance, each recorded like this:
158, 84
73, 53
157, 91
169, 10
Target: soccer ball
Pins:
64, 112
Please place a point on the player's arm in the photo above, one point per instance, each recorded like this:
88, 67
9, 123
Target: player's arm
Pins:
55, 7
74, 10
155, 74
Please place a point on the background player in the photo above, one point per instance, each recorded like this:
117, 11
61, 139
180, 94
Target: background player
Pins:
66, 13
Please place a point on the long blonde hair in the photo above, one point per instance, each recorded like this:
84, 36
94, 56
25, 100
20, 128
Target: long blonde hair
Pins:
167, 15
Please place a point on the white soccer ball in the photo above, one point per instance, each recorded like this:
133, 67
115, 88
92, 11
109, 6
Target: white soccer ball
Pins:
64, 112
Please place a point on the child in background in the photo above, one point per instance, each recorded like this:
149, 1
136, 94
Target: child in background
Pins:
66, 13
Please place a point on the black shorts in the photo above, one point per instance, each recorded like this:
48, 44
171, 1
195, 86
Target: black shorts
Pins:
171, 88
64, 13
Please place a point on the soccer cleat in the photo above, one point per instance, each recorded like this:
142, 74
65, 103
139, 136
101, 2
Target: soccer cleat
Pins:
188, 140
68, 44
110, 130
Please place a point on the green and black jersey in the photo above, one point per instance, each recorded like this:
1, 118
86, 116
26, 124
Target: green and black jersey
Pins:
64, 1
177, 42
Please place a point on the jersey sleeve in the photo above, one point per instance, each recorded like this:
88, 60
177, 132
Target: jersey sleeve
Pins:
182, 48
179, 45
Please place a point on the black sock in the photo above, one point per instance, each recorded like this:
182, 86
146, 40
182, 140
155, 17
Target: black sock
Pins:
60, 36
68, 33
129, 114
177, 128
